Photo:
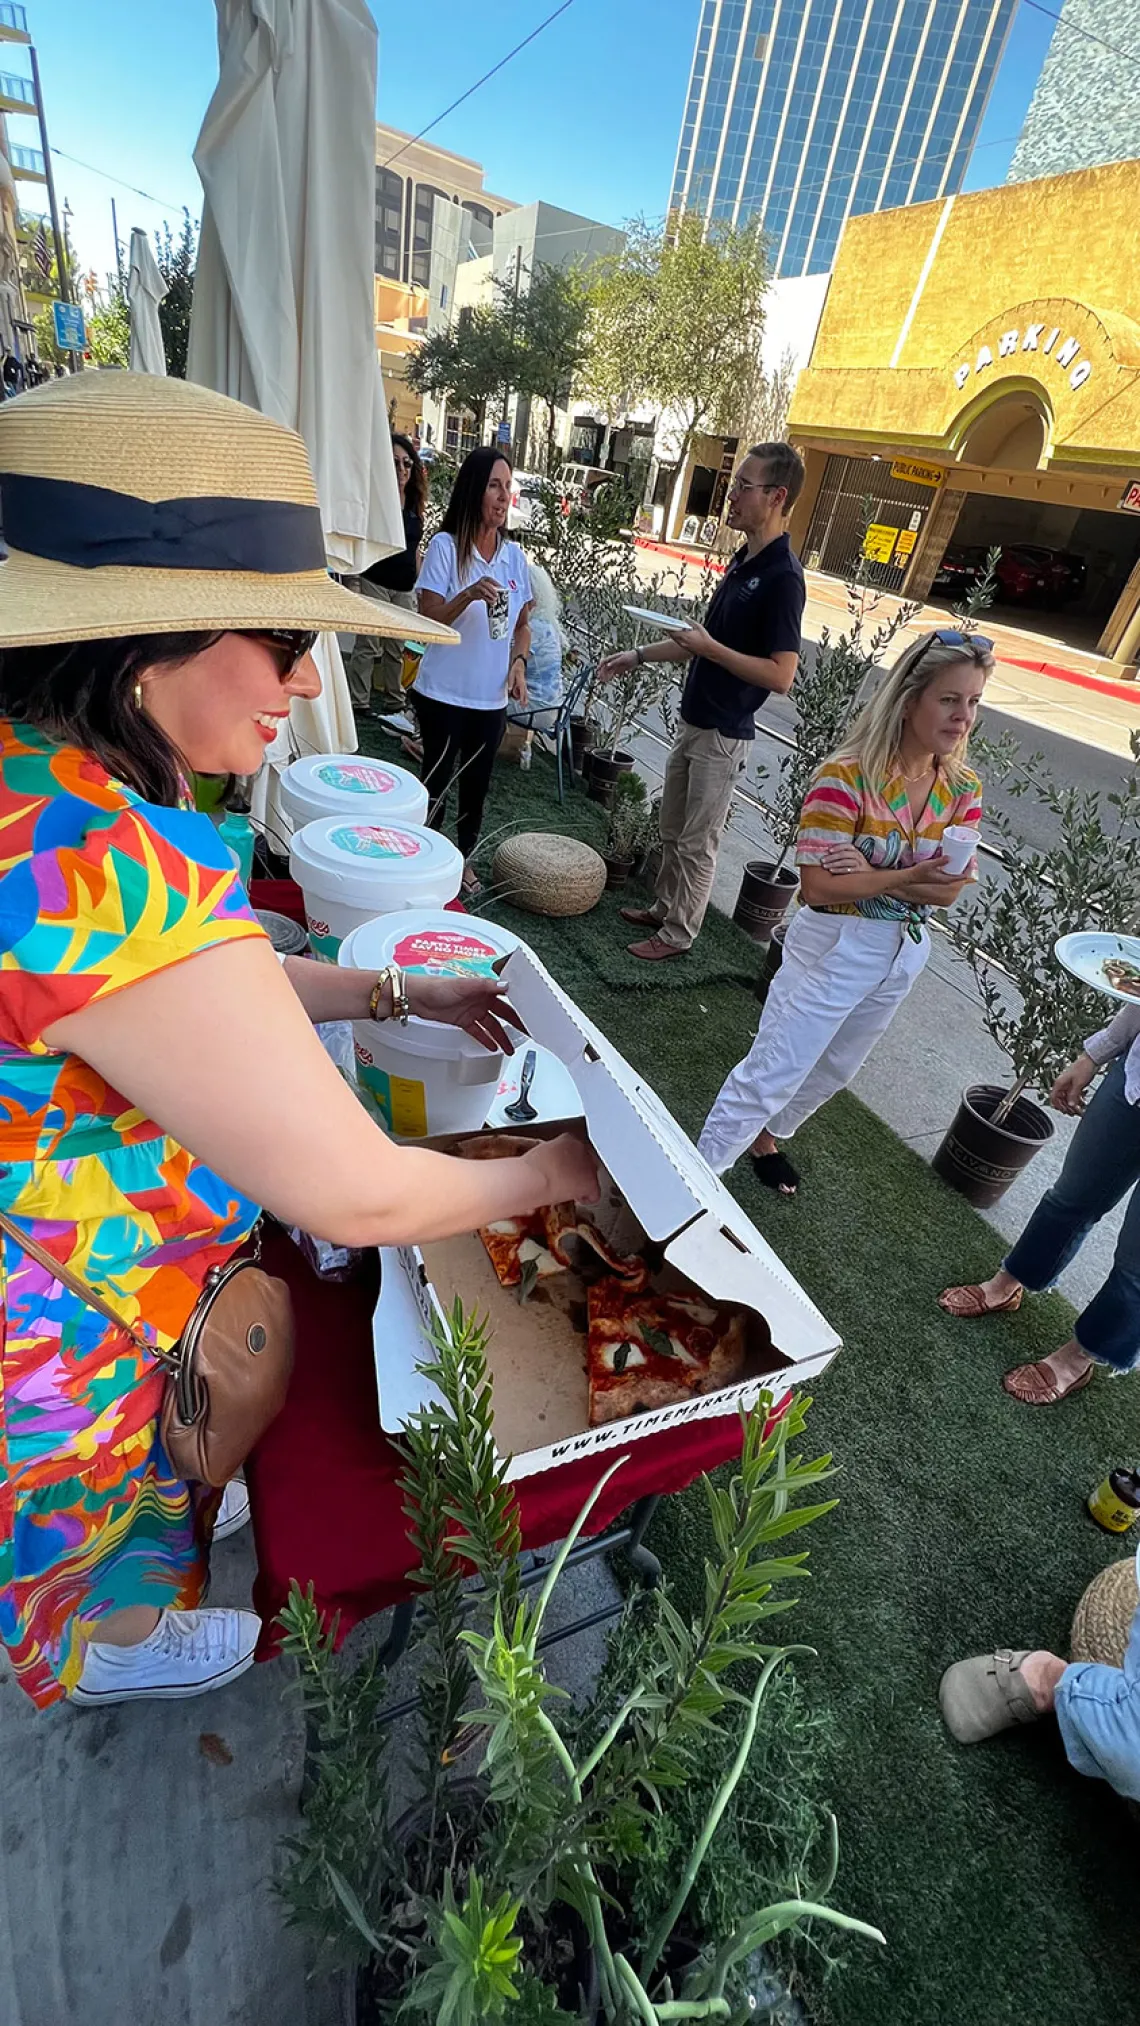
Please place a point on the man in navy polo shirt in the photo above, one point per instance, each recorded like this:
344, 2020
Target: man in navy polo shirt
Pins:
748, 646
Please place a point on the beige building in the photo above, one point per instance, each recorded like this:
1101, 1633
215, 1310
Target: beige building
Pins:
411, 176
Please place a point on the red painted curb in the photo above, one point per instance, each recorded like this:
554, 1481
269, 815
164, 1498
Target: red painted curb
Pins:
1130, 691
696, 557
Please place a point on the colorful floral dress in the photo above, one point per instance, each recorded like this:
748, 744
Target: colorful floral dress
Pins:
97, 890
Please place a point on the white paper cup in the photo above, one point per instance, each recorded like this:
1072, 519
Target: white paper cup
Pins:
959, 844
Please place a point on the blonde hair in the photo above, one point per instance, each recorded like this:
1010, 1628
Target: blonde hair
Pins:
872, 742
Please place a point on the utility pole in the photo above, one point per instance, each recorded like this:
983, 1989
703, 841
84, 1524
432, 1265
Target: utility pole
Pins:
514, 318
60, 244
118, 247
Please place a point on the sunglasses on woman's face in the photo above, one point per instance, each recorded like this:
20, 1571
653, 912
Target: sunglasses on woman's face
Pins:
287, 647
403, 463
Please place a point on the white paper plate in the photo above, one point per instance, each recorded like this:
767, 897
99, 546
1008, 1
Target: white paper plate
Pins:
1084, 954
664, 620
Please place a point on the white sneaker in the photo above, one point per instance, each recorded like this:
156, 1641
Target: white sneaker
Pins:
233, 1513
187, 1653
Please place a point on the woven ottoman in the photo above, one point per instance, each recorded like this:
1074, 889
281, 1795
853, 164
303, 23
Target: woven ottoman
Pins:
1103, 1618
547, 874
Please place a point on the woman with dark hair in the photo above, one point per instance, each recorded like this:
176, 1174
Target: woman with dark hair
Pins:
374, 666
477, 581
164, 584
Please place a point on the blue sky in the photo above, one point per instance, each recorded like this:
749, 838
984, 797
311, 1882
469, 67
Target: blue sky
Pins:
587, 117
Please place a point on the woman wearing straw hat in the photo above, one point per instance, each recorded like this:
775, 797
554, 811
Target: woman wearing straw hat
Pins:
164, 583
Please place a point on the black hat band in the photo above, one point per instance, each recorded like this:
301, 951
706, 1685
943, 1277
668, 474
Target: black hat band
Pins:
93, 528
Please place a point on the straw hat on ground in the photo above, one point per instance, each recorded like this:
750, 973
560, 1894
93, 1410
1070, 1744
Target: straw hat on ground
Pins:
1102, 1622
134, 505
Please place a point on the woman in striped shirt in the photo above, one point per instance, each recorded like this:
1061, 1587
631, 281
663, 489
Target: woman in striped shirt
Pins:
871, 869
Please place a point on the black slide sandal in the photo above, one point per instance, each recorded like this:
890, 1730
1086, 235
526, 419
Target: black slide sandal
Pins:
776, 1172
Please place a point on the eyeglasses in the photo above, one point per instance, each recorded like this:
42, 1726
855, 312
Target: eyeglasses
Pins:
950, 636
753, 485
287, 648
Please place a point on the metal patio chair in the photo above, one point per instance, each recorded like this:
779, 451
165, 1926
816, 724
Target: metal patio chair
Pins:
559, 731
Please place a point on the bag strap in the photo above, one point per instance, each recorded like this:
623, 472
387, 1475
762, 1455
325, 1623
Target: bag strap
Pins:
72, 1281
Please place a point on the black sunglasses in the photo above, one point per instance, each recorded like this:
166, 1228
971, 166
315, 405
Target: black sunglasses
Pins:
287, 648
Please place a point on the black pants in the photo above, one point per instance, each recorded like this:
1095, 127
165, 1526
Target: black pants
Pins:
462, 742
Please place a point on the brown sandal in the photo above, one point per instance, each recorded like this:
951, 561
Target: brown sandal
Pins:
1043, 1391
967, 1302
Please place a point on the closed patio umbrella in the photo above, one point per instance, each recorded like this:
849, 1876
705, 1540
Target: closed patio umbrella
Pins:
283, 314
145, 290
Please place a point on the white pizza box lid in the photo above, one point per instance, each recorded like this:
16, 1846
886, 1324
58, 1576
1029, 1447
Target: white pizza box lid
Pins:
679, 1201
364, 790
379, 866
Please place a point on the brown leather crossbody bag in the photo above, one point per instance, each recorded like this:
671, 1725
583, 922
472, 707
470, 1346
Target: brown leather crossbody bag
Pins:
228, 1374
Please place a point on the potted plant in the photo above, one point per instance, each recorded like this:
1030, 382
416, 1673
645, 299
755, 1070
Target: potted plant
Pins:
631, 830
499, 1898
830, 687
1039, 1015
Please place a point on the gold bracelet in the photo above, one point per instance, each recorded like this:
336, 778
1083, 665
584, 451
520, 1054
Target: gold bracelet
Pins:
391, 976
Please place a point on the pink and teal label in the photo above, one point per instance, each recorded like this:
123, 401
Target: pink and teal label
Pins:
322, 941
446, 953
353, 778
368, 841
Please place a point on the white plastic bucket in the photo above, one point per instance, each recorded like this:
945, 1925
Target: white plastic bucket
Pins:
351, 872
349, 785
425, 1079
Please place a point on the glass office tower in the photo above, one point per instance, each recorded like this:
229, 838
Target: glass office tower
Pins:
803, 113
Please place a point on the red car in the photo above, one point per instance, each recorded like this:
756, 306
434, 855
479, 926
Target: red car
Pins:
1026, 575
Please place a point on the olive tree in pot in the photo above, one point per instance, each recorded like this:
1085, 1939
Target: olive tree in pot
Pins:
829, 688
631, 830
1036, 1011
501, 1897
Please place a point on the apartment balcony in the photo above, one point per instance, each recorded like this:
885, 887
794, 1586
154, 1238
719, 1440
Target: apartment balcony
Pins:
17, 94
27, 165
13, 23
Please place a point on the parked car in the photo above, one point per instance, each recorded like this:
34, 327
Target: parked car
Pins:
525, 510
579, 482
1026, 574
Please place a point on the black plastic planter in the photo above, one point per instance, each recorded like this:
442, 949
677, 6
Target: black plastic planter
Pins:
581, 741
980, 1159
605, 768
618, 871
765, 896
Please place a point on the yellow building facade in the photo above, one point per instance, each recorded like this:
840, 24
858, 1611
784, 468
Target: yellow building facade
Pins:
975, 381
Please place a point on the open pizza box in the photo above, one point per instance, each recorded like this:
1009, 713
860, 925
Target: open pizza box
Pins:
663, 1192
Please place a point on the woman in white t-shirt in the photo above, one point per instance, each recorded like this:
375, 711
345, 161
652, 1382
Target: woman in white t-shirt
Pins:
471, 578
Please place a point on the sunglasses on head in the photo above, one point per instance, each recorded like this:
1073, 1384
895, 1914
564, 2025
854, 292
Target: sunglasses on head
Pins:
950, 636
286, 646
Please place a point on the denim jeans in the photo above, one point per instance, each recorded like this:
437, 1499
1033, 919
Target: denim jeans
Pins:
1098, 1709
1101, 1166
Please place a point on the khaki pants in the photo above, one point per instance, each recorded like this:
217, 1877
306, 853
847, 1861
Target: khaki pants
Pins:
374, 665
704, 768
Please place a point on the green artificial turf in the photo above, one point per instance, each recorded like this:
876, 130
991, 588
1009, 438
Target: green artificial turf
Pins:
1005, 1883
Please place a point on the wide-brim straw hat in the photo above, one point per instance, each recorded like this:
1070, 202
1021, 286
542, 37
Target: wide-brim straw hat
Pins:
1102, 1622
131, 505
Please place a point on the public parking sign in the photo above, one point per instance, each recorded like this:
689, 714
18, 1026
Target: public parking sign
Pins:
70, 335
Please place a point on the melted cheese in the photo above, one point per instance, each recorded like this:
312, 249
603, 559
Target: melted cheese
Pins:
546, 1262
635, 1356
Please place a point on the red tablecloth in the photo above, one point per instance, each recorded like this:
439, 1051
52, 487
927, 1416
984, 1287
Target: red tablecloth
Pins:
323, 1480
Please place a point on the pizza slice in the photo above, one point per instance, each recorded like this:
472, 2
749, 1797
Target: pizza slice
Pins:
651, 1350
534, 1245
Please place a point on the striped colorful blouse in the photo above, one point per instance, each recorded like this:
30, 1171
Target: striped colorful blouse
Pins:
841, 808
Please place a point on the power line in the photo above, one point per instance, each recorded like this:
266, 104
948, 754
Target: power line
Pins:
479, 82
1074, 28
108, 178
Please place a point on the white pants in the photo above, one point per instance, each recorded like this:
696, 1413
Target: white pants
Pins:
834, 994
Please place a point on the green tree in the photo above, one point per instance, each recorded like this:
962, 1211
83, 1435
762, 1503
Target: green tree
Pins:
468, 364
676, 317
109, 330
549, 341
177, 260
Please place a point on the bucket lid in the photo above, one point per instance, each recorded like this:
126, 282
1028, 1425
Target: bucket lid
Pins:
375, 865
430, 942
433, 944
323, 783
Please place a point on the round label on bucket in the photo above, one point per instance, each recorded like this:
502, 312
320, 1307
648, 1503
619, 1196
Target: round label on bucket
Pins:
441, 953
354, 778
367, 842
